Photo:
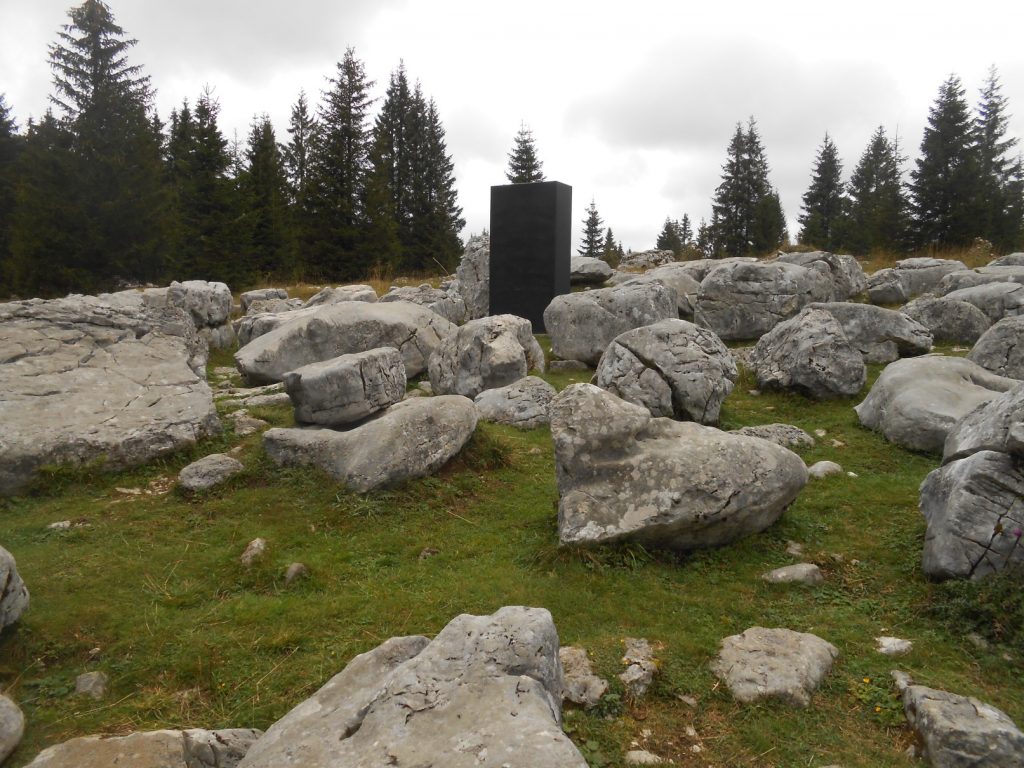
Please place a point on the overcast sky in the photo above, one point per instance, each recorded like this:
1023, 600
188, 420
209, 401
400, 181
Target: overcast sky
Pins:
632, 103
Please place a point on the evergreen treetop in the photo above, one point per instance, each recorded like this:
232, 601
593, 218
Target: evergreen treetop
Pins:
591, 243
523, 165
825, 200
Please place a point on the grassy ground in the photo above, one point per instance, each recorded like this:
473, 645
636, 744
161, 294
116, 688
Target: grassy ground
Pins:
149, 589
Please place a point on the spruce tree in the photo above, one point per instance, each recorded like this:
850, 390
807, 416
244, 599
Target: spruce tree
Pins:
668, 238
610, 251
685, 230
591, 244
945, 183
878, 214
523, 165
825, 200
10, 144
997, 221
443, 220
264, 190
298, 155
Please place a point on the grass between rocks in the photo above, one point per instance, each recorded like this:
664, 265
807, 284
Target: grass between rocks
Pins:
149, 589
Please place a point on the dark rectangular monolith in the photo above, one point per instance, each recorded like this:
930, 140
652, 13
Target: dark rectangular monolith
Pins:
530, 243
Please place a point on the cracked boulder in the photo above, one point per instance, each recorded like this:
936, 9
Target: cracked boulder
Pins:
411, 439
880, 335
346, 388
847, 276
916, 402
341, 293
13, 592
922, 274
486, 691
997, 425
672, 368
448, 304
885, 287
474, 276
810, 354
194, 748
525, 404
744, 300
261, 294
311, 336
626, 476
208, 304
582, 325
948, 319
680, 279
106, 379
997, 300
1001, 348
484, 354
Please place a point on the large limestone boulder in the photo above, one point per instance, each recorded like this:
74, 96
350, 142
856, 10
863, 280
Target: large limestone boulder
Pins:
997, 425
845, 272
411, 439
347, 388
916, 402
971, 278
13, 592
672, 368
88, 378
646, 259
996, 300
272, 306
948, 319
680, 279
885, 287
340, 329
474, 276
193, 748
209, 304
923, 274
1001, 348
781, 664
585, 270
260, 294
1009, 260
701, 268
809, 353
485, 692
626, 476
273, 315
484, 354
448, 304
12, 727
337, 294
525, 404
582, 325
746, 300
881, 335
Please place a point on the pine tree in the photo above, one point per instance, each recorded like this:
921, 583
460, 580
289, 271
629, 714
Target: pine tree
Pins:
668, 239
442, 220
264, 190
877, 217
591, 244
523, 165
10, 145
825, 200
685, 230
945, 184
298, 156
610, 252
997, 221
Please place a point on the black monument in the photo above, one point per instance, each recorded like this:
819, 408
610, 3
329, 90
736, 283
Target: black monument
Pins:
530, 243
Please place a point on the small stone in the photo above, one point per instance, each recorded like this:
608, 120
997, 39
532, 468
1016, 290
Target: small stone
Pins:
535, 451
901, 680
93, 684
640, 667
95, 653
208, 472
801, 573
689, 701
580, 684
295, 571
838, 443
820, 432
754, 392
893, 646
643, 757
428, 552
794, 549
696, 749
691, 732
426, 387
129, 491
978, 641
822, 469
255, 551
63, 525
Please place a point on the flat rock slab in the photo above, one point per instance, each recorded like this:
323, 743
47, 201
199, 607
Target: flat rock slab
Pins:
626, 476
208, 472
347, 388
778, 664
88, 378
411, 439
311, 336
525, 404
785, 435
193, 748
1001, 348
801, 573
485, 692
13, 592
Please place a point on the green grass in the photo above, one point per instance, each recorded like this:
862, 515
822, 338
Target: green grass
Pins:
191, 638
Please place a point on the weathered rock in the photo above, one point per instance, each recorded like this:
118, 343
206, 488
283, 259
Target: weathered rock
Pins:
811, 354
209, 304
641, 667
623, 475
484, 354
997, 425
208, 472
996, 300
881, 335
845, 272
294, 572
948, 319
746, 300
823, 469
646, 259
340, 329
643, 757
672, 368
254, 551
524, 404
13, 592
1001, 348
260, 294
272, 306
679, 278
448, 304
269, 400
584, 270
582, 325
701, 268
916, 402
801, 573
12, 727
342, 293
485, 692
152, 749
88, 378
971, 278
92, 684
885, 287
411, 439
1009, 260
245, 425
923, 274
580, 684
347, 388
785, 435
893, 646
219, 337
474, 276
774, 663
960, 731
975, 518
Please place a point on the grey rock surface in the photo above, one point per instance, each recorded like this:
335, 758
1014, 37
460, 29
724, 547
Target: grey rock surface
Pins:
698, 269
580, 684
474, 276
1001, 348
623, 475
948, 319
1009, 260
960, 731
646, 259
679, 278
332, 294
741, 300
893, 646
916, 402
779, 664
13, 592
194, 748
346, 388
971, 278
584, 270
92, 684
641, 667
975, 517
582, 325
344, 328
484, 354
923, 274
845, 272
88, 378
822, 469
785, 435
881, 335
12, 727
411, 439
524, 404
254, 551
209, 304
811, 354
208, 472
260, 294
672, 368
448, 304
274, 305
996, 425
996, 300
485, 692
800, 573
885, 287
